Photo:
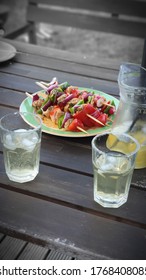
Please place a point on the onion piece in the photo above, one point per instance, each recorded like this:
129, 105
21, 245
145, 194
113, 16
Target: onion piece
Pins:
67, 116
100, 101
35, 97
51, 87
48, 104
67, 99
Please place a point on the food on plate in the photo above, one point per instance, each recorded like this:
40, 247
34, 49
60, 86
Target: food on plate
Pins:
71, 108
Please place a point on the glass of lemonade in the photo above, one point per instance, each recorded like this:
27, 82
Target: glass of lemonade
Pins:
113, 158
21, 145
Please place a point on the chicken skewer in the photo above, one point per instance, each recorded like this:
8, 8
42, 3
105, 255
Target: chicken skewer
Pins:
80, 104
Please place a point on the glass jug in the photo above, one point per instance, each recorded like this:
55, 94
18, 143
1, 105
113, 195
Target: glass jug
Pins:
131, 113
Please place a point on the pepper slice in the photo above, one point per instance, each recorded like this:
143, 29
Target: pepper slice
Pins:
110, 110
64, 86
40, 111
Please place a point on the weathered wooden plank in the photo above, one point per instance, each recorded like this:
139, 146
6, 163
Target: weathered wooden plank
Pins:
70, 229
10, 248
56, 255
66, 55
111, 6
22, 83
4, 111
89, 22
29, 70
11, 98
67, 67
76, 191
33, 252
17, 83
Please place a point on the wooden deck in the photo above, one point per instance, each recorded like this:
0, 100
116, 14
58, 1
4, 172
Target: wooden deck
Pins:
16, 249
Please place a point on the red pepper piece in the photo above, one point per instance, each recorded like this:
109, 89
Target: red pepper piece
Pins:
75, 124
103, 119
82, 115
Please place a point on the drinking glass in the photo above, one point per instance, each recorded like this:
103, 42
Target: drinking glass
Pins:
21, 139
113, 158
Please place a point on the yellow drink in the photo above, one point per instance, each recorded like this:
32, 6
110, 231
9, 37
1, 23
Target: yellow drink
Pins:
113, 158
128, 147
141, 155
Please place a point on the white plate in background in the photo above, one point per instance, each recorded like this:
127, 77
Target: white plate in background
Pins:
7, 51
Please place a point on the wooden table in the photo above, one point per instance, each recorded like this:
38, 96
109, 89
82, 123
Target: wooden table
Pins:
57, 209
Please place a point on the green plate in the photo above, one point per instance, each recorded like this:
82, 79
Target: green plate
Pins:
26, 106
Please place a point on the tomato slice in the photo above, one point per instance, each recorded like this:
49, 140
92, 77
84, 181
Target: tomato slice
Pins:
82, 115
75, 124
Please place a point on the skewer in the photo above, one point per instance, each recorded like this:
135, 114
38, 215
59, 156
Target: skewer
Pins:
108, 104
82, 130
29, 95
110, 120
45, 84
91, 117
49, 84
41, 85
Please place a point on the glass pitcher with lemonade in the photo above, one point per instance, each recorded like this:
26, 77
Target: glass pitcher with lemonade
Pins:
131, 114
